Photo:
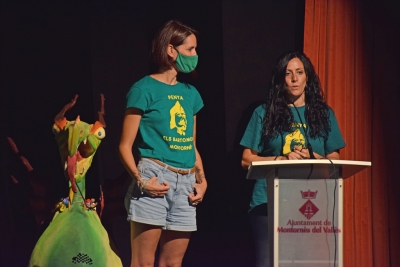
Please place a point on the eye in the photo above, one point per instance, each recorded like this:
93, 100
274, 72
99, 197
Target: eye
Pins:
100, 133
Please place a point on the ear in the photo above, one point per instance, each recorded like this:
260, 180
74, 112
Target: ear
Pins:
171, 51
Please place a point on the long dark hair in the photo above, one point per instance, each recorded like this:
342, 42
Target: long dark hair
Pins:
279, 118
173, 32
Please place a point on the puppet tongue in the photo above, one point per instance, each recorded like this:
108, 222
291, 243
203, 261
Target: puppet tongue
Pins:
71, 168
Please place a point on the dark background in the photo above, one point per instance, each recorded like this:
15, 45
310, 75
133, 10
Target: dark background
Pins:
52, 50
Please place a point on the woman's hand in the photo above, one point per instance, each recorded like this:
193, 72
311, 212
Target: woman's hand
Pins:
297, 153
197, 196
300, 152
304, 153
154, 188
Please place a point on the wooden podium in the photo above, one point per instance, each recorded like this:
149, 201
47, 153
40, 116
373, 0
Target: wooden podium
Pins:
305, 209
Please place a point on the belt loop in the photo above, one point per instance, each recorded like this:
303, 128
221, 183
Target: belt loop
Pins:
165, 168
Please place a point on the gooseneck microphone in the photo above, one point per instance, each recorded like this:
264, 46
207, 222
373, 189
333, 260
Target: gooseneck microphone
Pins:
309, 147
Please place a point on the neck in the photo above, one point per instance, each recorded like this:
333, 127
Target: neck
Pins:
168, 77
297, 101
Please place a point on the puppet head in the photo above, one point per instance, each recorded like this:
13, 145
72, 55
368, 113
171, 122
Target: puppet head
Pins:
77, 142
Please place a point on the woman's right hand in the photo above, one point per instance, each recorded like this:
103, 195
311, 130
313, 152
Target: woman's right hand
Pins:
299, 153
155, 189
293, 155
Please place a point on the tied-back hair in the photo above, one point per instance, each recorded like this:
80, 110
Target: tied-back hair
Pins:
279, 118
173, 32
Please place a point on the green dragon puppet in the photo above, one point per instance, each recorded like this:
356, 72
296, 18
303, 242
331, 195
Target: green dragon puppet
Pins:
76, 237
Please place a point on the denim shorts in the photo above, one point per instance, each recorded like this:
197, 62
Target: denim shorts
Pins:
172, 211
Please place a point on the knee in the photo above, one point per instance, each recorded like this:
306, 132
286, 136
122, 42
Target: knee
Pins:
170, 264
142, 263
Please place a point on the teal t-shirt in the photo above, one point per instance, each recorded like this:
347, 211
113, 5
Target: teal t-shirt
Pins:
284, 143
166, 127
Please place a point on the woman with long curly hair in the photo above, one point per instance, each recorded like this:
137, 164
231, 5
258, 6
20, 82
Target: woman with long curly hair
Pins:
294, 123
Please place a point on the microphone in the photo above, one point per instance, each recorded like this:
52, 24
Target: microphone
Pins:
309, 147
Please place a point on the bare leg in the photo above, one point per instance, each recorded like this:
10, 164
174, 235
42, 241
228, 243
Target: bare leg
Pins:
173, 245
144, 240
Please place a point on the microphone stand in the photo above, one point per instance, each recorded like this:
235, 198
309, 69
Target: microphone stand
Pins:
309, 147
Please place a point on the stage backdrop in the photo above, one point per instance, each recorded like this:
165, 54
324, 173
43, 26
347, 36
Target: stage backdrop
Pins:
354, 46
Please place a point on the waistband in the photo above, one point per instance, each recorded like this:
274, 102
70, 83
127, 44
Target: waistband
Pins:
180, 171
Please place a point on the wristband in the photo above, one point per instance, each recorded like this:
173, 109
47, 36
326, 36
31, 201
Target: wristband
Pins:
142, 186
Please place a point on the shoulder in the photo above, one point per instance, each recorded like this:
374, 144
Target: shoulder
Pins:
258, 114
188, 90
260, 110
147, 86
144, 82
331, 112
183, 85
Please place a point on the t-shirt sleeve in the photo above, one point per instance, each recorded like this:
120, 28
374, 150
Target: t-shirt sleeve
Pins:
136, 98
198, 102
253, 133
335, 139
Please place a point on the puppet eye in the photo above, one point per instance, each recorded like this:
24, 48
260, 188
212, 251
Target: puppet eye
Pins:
100, 133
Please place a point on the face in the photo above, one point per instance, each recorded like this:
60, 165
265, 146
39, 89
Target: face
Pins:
188, 48
295, 78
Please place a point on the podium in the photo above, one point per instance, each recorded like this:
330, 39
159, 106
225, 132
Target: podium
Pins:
305, 209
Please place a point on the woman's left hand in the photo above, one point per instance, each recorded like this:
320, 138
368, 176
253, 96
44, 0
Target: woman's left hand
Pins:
303, 152
197, 196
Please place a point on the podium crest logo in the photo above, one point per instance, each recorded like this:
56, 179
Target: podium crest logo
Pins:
309, 209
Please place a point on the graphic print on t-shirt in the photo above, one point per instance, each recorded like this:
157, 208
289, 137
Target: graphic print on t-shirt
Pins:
180, 128
178, 118
295, 138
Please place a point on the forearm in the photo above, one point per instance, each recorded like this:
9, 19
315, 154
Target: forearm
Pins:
200, 174
127, 159
130, 128
318, 156
333, 155
246, 162
249, 156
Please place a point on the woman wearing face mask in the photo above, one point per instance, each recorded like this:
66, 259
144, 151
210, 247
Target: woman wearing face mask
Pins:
168, 181
294, 123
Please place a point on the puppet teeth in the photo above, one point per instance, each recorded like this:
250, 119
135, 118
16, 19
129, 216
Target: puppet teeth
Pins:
65, 166
84, 141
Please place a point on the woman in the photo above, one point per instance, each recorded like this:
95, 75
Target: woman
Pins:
169, 180
294, 123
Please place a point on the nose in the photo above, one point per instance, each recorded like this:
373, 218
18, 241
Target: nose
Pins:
294, 78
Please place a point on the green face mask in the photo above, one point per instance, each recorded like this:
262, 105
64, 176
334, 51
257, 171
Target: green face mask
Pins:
186, 64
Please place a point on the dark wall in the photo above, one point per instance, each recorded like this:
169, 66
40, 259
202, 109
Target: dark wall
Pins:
51, 51
255, 34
